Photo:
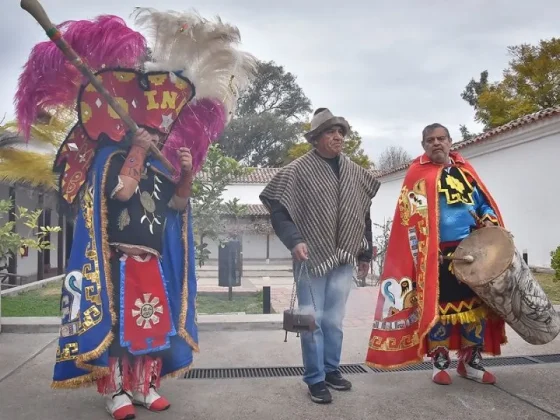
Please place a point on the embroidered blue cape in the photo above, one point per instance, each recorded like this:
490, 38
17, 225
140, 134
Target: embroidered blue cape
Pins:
86, 302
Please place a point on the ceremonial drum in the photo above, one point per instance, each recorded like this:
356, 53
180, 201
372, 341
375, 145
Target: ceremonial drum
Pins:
488, 262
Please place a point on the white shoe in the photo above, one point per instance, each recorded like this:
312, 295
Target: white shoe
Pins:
153, 401
120, 407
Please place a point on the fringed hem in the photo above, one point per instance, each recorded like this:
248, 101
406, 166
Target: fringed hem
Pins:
84, 381
182, 331
145, 373
467, 317
397, 366
187, 337
105, 241
178, 372
94, 354
341, 257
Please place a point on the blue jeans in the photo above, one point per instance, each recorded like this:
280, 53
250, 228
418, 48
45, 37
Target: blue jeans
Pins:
321, 348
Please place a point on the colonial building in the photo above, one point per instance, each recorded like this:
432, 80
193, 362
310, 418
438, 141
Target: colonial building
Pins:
258, 240
517, 162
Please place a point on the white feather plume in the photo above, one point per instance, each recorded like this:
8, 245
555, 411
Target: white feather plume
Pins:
203, 50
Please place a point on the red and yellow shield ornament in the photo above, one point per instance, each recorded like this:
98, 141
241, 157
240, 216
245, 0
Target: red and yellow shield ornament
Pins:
153, 100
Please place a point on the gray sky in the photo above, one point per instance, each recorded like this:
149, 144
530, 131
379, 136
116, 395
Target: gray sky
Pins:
389, 67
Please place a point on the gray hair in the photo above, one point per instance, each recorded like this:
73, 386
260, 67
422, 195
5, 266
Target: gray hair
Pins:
429, 128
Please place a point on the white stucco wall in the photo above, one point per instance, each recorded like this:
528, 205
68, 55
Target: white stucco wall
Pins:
246, 193
254, 246
520, 170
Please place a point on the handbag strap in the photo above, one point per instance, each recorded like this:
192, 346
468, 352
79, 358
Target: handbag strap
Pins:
296, 286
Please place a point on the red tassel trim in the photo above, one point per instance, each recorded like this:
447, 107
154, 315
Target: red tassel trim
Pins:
145, 374
465, 354
117, 379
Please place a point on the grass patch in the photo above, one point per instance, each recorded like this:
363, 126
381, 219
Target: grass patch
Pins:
39, 302
218, 303
550, 287
46, 302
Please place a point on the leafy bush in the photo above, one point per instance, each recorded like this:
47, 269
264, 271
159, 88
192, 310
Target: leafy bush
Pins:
12, 242
555, 263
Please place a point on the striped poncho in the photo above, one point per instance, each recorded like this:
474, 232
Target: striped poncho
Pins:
329, 212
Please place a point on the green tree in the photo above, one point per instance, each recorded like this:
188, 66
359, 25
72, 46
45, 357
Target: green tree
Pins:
352, 148
465, 133
268, 118
233, 212
11, 242
530, 83
555, 263
208, 205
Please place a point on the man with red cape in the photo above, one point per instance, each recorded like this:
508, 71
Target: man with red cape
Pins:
423, 310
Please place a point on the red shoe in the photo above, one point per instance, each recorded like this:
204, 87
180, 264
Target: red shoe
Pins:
441, 362
441, 377
153, 401
470, 367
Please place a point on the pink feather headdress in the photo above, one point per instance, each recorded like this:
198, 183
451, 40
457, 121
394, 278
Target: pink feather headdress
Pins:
50, 83
183, 43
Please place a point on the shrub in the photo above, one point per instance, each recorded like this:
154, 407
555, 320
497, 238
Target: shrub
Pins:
555, 263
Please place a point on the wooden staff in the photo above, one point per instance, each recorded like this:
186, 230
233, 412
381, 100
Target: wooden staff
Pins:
34, 8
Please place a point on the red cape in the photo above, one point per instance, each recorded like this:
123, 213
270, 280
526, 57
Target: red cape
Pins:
399, 332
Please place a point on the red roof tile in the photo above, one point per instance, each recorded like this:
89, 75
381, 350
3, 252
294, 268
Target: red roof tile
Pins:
254, 210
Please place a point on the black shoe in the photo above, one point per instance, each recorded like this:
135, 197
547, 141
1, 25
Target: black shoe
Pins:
336, 381
319, 393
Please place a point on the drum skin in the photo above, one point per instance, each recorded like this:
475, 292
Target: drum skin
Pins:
502, 280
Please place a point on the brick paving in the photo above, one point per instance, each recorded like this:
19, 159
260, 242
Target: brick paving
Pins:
359, 309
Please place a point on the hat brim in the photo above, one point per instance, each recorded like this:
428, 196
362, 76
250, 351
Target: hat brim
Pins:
327, 124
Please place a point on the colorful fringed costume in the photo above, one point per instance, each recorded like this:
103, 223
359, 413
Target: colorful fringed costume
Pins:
129, 318
423, 310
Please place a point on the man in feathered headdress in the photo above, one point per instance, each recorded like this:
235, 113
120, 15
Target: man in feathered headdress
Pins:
128, 299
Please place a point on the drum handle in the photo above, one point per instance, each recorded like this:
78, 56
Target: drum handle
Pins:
466, 258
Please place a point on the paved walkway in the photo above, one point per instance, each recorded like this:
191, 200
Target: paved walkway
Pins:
359, 309
527, 392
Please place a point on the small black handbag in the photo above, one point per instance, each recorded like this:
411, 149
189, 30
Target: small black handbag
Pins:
294, 320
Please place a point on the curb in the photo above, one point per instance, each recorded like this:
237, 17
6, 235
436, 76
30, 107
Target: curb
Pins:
31, 286
256, 322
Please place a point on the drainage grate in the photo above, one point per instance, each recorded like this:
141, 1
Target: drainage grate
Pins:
548, 358
490, 362
351, 369
263, 372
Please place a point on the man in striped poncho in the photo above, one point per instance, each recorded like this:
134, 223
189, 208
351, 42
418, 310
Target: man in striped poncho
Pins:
320, 209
